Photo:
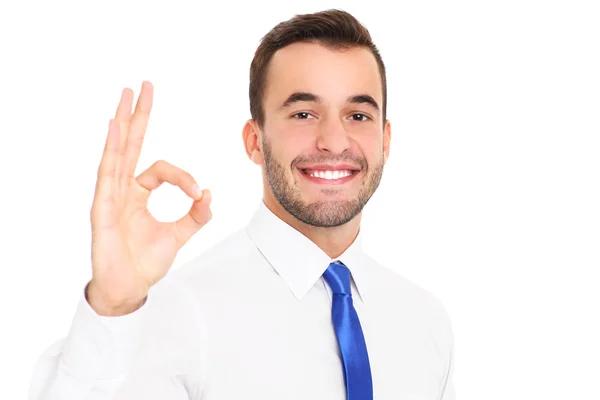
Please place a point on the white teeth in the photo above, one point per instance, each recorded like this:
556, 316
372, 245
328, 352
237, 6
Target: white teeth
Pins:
330, 175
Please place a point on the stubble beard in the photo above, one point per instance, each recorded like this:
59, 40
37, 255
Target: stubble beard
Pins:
321, 213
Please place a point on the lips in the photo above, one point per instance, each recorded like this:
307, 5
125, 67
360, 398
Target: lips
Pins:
329, 173
329, 177
328, 167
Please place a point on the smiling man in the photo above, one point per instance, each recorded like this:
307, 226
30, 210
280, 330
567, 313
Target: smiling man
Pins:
290, 307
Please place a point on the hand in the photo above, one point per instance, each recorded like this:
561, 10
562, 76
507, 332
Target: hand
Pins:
131, 250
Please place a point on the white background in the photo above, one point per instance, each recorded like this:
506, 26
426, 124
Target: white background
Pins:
490, 198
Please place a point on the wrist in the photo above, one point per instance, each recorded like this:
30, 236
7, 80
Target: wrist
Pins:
110, 307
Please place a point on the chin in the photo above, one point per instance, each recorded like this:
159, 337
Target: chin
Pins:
326, 213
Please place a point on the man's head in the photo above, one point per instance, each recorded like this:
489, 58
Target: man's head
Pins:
318, 104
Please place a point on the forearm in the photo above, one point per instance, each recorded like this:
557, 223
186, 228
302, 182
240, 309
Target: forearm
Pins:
92, 361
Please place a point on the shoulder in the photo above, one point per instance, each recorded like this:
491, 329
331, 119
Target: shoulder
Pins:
221, 266
234, 246
405, 294
386, 280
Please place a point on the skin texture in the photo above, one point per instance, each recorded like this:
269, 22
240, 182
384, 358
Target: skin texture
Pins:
329, 131
131, 250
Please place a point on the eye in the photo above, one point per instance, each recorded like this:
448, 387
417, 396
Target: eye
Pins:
364, 117
301, 115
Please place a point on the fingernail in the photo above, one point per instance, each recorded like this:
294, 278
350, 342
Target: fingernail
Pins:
196, 190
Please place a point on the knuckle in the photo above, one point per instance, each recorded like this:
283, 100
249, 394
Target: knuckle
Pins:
160, 167
120, 149
166, 171
159, 164
135, 143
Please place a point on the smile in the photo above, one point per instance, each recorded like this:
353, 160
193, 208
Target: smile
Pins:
335, 177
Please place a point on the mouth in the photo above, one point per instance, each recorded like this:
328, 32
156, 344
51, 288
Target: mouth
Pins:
329, 177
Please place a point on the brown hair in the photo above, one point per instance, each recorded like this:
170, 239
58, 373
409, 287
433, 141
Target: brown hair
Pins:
332, 28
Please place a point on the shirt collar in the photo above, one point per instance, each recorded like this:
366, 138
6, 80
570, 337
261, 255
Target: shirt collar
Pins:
298, 260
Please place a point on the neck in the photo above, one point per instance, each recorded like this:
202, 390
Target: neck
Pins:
332, 240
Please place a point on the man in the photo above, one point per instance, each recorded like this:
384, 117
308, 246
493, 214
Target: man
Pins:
289, 307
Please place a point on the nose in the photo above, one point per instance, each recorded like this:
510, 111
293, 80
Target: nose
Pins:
332, 136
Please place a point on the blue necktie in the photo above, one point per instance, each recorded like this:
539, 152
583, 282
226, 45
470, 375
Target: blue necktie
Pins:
357, 371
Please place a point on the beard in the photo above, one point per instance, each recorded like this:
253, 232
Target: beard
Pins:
321, 213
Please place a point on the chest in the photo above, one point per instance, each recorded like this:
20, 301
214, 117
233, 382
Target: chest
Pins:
289, 350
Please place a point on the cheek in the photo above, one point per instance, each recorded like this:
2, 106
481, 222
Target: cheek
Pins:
368, 142
283, 153
296, 145
291, 143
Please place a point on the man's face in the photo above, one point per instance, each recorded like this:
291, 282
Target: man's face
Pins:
325, 146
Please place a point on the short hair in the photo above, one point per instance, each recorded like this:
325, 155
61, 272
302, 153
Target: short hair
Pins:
333, 28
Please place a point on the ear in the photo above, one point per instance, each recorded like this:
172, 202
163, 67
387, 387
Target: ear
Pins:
387, 138
251, 137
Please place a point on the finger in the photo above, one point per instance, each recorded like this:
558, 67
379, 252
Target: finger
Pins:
123, 113
137, 129
196, 218
108, 164
161, 171
123, 117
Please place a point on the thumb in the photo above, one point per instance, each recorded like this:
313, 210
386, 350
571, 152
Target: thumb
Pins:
196, 218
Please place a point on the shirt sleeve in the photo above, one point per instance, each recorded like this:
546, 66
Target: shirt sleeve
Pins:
100, 358
448, 392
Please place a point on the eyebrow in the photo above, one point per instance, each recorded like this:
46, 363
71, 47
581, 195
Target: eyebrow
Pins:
311, 97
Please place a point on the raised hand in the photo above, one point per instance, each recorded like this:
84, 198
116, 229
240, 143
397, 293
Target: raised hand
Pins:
131, 250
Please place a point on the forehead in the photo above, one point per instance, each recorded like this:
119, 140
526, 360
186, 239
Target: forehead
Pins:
333, 74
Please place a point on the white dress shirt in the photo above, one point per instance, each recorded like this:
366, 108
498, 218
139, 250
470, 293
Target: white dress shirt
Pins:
251, 319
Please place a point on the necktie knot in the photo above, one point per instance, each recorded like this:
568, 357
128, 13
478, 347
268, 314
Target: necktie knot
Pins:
337, 276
